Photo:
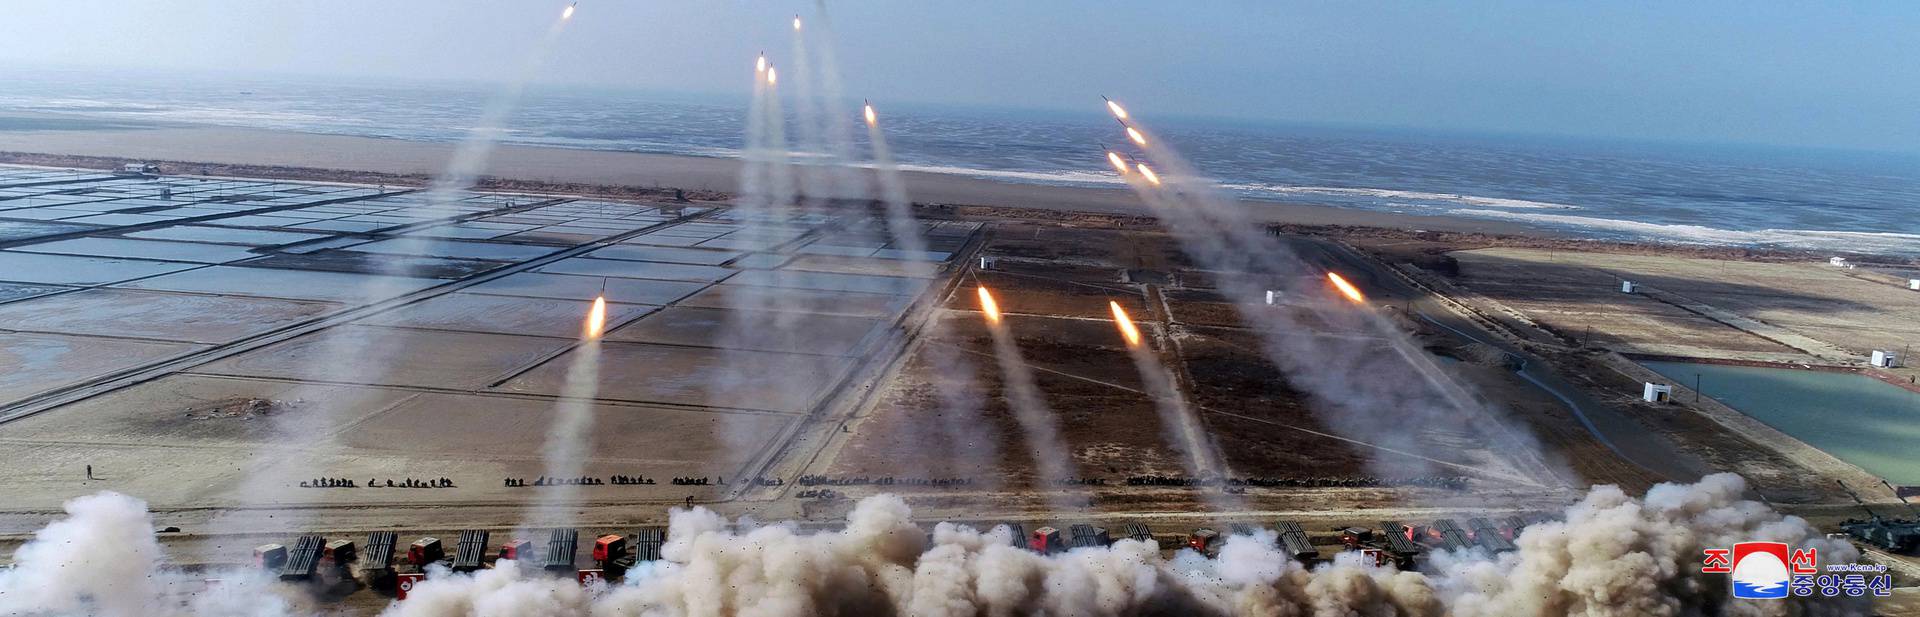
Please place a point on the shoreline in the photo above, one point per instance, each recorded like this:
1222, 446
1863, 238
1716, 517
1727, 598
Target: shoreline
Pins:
260, 152
1342, 224
79, 142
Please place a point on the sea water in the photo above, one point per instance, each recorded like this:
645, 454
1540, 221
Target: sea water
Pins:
1716, 195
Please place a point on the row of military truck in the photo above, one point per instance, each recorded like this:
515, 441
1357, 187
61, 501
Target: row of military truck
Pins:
380, 563
1392, 542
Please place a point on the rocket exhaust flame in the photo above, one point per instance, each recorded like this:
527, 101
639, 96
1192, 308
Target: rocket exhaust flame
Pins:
568, 14
1119, 164
1120, 115
1346, 289
1125, 323
597, 318
867, 108
988, 306
796, 23
771, 77
1146, 171
760, 65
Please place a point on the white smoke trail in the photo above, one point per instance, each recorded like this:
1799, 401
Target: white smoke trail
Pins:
1362, 392
769, 209
893, 194
829, 179
826, 135
753, 172
568, 439
1039, 430
1612, 555
816, 161
969, 439
764, 205
470, 157
764, 213
349, 359
468, 162
968, 442
1177, 419
838, 132
776, 162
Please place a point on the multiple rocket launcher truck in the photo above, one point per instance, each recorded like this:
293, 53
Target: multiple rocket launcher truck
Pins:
612, 555
314, 558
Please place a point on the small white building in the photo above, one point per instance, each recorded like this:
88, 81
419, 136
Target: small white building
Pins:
1913, 284
1627, 287
1837, 262
1657, 393
136, 170
986, 263
1273, 297
1885, 359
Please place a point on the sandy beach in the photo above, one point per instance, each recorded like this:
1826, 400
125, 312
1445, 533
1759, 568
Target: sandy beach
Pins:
263, 148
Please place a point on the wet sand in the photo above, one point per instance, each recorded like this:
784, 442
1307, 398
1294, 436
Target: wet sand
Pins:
264, 148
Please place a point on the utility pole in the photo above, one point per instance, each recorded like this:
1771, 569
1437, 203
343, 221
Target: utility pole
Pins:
1696, 387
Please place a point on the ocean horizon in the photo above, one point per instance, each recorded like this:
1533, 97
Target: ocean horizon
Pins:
1756, 196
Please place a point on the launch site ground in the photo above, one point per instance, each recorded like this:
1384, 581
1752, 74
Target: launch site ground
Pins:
207, 344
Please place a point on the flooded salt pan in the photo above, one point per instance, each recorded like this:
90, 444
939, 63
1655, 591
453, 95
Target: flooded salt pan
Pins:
1857, 418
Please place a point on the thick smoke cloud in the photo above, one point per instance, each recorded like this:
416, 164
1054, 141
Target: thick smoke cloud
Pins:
506, 590
103, 560
1611, 555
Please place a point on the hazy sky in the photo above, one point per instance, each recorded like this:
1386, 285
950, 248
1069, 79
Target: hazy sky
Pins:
1835, 74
